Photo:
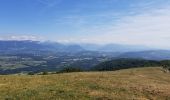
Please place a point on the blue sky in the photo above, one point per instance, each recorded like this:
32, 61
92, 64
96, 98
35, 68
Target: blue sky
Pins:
136, 22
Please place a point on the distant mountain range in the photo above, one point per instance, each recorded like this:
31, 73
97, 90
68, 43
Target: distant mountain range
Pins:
59, 47
36, 46
115, 48
123, 51
148, 55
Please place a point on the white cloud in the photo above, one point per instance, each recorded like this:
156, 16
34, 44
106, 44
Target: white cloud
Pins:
21, 37
143, 25
150, 27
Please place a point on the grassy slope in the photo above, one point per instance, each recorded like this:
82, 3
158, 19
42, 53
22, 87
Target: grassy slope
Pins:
139, 83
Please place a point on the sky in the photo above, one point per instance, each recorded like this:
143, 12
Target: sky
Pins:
134, 22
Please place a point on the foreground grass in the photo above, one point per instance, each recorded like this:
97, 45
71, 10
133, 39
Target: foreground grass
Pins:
139, 83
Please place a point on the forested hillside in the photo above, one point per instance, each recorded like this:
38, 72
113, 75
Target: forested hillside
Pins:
125, 63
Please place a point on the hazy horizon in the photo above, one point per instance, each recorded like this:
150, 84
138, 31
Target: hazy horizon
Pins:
129, 22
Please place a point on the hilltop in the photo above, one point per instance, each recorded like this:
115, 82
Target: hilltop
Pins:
136, 83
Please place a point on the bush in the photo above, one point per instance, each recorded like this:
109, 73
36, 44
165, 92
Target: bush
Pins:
70, 69
166, 68
30, 73
44, 73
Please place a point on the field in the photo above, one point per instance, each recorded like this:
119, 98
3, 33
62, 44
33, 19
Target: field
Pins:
138, 83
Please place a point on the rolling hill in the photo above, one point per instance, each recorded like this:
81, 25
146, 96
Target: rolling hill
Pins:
134, 84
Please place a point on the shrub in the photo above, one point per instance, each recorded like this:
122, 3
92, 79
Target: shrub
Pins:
44, 73
30, 73
70, 69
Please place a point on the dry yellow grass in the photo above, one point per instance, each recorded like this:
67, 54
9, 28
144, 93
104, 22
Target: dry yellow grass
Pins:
130, 84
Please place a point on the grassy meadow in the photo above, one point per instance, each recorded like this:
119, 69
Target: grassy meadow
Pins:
129, 84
